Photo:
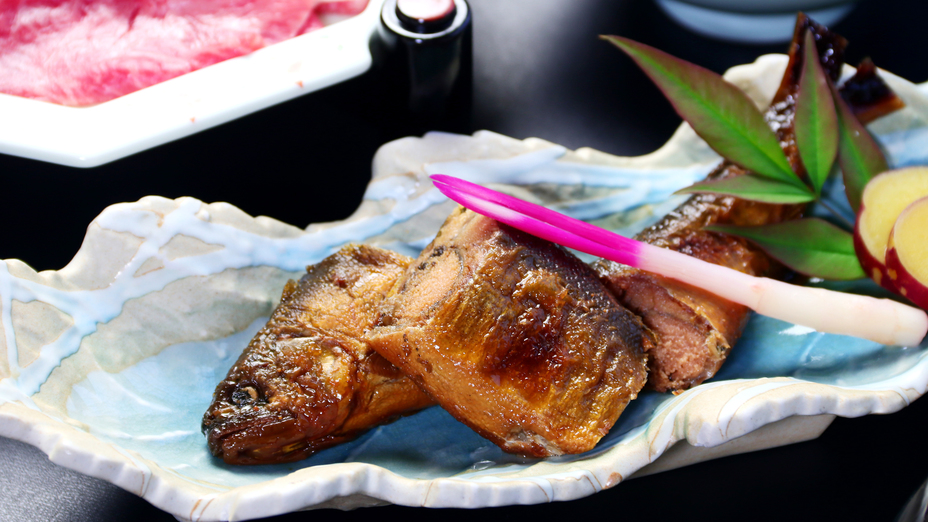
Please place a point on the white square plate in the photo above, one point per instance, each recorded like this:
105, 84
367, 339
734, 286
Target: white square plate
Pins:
179, 107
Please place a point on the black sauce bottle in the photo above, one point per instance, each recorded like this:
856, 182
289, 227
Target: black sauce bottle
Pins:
425, 65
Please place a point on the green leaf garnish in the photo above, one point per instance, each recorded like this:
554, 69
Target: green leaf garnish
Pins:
755, 188
719, 112
809, 246
825, 129
816, 120
859, 155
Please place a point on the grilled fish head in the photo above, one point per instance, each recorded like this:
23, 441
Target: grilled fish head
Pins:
307, 380
284, 399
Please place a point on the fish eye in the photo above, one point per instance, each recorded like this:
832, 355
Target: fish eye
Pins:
244, 395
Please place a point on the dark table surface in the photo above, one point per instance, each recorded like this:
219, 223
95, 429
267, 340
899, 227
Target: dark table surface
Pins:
539, 70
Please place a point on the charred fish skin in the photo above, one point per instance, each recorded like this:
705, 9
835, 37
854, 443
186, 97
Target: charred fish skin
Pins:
307, 380
514, 337
696, 330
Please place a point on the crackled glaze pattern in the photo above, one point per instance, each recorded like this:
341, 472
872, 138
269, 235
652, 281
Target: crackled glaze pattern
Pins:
108, 364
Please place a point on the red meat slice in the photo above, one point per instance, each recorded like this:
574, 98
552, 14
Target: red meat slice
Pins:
83, 52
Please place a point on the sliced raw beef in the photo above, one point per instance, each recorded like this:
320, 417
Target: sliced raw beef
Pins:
83, 52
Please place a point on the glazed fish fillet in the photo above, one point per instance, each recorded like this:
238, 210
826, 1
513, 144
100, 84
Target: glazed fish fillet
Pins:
308, 380
696, 330
515, 337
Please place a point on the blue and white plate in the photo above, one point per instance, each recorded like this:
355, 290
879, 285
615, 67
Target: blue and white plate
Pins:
108, 364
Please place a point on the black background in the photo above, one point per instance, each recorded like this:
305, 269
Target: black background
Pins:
539, 71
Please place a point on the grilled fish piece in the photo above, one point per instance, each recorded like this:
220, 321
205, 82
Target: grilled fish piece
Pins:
515, 337
696, 329
307, 380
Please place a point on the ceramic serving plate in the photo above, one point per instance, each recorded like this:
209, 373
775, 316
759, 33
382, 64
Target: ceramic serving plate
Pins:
92, 136
108, 364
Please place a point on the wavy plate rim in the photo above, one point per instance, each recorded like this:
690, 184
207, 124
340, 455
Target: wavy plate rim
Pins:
692, 417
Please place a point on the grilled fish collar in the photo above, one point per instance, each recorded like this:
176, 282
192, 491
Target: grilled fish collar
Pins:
515, 337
